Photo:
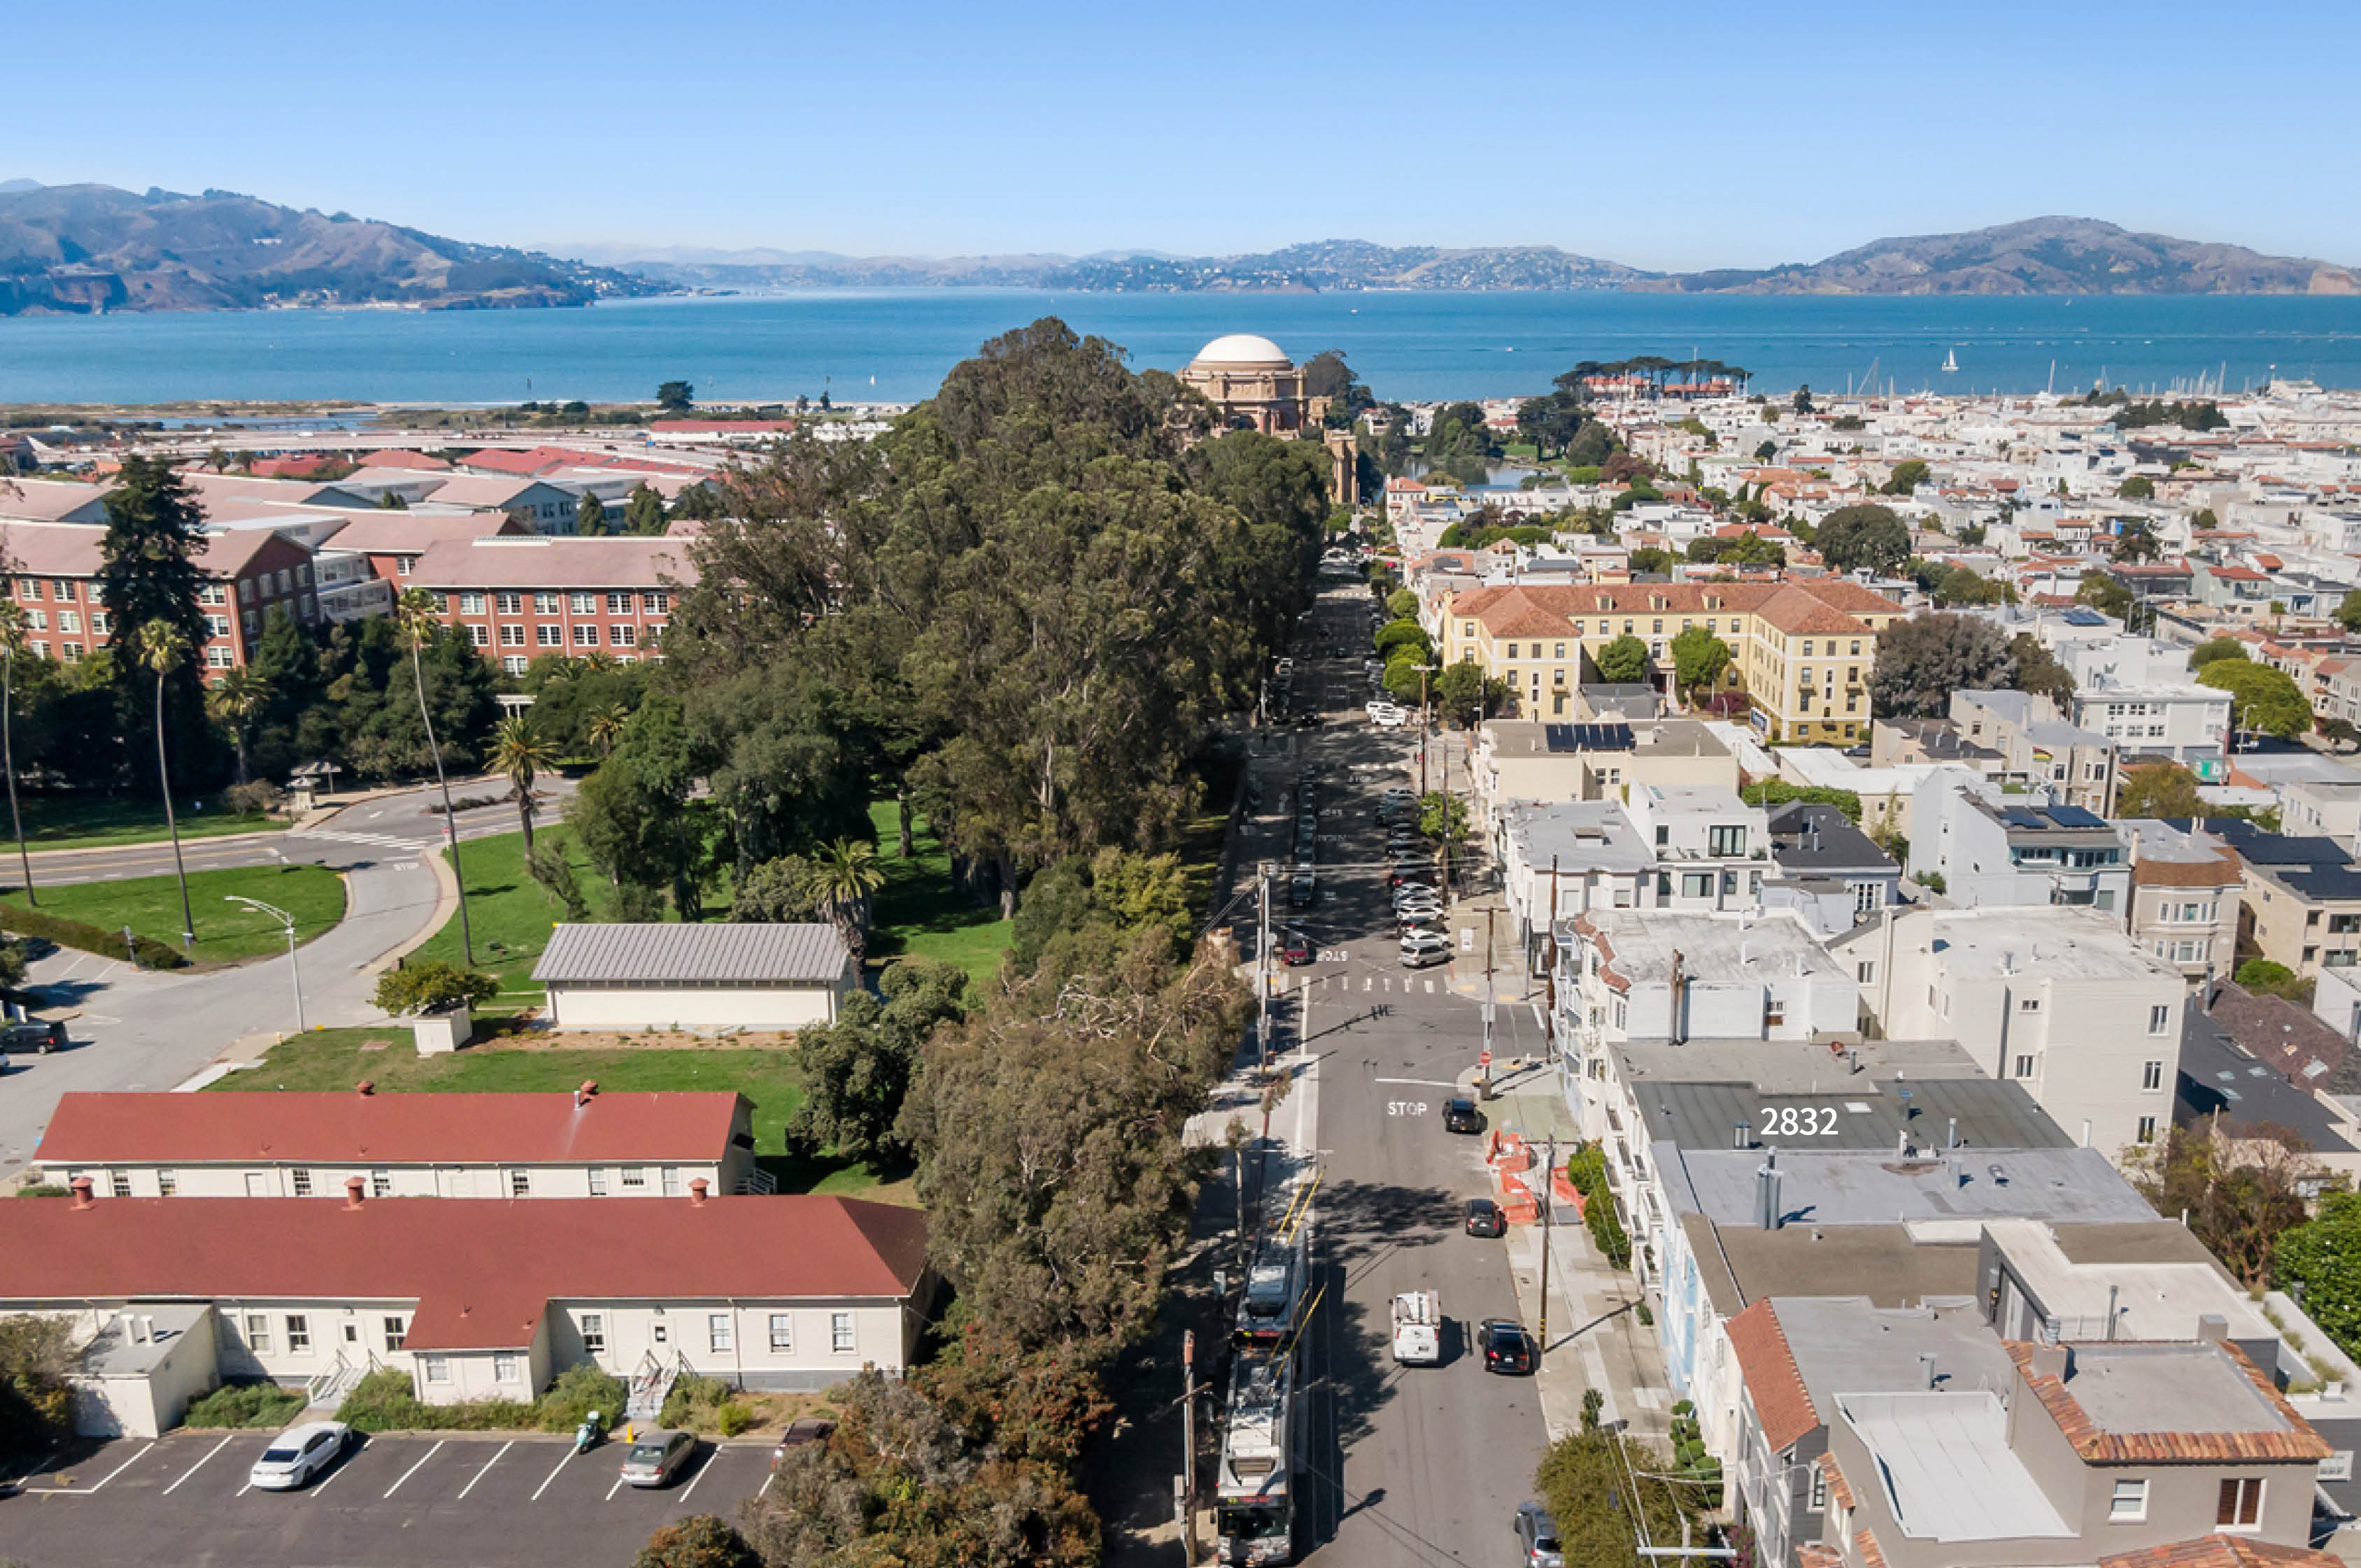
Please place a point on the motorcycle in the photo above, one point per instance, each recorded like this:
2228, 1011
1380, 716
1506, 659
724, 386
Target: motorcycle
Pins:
588, 1435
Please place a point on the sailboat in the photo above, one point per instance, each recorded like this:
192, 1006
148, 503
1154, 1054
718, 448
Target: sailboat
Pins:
1951, 362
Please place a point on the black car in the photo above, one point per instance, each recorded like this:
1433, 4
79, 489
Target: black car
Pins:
1295, 949
1485, 1219
1461, 1116
1507, 1350
33, 1036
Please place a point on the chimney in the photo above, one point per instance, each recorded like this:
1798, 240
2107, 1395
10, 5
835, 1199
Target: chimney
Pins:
2213, 1329
2053, 1361
1951, 1133
696, 1192
584, 1095
132, 1329
1680, 987
1767, 1192
1926, 1372
1742, 1136
82, 1188
365, 1087
354, 1188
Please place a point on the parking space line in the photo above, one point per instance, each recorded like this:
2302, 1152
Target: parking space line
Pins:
479, 1476
117, 1470
616, 1487
562, 1463
200, 1464
422, 1458
342, 1466
712, 1459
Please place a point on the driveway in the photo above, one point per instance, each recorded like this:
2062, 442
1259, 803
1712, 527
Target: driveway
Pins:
145, 1029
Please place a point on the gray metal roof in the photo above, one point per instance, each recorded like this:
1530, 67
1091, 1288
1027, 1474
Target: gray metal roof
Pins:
1855, 1112
1808, 836
1869, 1187
685, 954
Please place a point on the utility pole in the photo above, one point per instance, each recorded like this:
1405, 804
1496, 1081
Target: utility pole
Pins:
1262, 973
1549, 1220
1189, 1445
1423, 671
1549, 981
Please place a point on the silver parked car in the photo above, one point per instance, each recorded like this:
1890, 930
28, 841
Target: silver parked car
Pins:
656, 1458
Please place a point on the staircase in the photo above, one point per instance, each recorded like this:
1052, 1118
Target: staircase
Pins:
759, 1182
649, 1385
327, 1389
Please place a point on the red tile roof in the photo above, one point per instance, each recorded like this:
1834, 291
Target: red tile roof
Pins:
2297, 1440
2222, 1552
482, 1270
397, 457
533, 460
395, 1129
1782, 1403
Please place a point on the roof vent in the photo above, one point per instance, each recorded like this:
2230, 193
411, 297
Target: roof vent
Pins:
584, 1095
83, 1188
354, 1188
697, 1191
365, 1087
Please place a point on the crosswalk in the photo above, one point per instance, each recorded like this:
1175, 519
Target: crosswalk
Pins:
375, 840
1281, 985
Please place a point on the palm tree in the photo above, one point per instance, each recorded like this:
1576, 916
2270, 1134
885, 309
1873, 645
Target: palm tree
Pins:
520, 754
845, 874
160, 646
12, 644
234, 700
420, 621
606, 727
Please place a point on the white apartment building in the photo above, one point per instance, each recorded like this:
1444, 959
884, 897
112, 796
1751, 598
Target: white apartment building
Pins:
1983, 849
1712, 849
2058, 999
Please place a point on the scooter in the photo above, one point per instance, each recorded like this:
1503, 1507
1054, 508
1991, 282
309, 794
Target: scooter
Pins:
588, 1435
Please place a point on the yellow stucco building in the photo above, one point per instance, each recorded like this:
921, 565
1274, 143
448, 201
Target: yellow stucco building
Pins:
1802, 649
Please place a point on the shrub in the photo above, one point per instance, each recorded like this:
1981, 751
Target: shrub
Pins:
695, 1403
261, 796
1587, 1171
579, 1391
245, 1405
1646, 1315
383, 1401
1593, 1402
700, 1540
432, 986
735, 1419
43, 1189
144, 951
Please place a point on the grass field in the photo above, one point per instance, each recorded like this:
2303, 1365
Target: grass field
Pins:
76, 822
920, 915
315, 895
508, 914
334, 1059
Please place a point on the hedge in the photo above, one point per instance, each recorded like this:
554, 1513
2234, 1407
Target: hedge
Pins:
1586, 1170
383, 1401
146, 952
245, 1405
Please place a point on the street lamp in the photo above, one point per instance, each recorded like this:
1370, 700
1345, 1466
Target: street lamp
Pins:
1423, 671
275, 913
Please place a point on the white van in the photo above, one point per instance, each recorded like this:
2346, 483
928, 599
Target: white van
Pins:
1423, 949
1417, 1328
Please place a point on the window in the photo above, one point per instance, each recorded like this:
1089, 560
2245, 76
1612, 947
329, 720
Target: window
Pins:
216, 626
1868, 898
627, 636
99, 623
1864, 971
479, 637
380, 1184
1511, 652
436, 1367
30, 588
246, 590
2242, 1503
302, 1177
2024, 1067
672, 1187
504, 1367
1727, 841
635, 1176
511, 635
1560, 651
544, 604
396, 1330
549, 636
508, 604
39, 620
839, 1333
2029, 1004
586, 636
2159, 1018
257, 1333
299, 1334
471, 603
583, 603
252, 623
656, 604
69, 620
717, 1331
598, 1182
618, 604
403, 564
2152, 1075
284, 582
167, 1183
2146, 1133
1819, 1501
1696, 884
783, 1333
520, 1184
594, 1334
118, 1182
514, 665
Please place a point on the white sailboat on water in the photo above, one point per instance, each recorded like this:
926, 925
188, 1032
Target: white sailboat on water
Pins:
1951, 362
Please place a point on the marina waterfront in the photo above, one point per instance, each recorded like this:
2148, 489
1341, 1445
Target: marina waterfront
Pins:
894, 346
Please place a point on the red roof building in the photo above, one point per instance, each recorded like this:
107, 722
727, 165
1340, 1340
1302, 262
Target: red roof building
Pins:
518, 598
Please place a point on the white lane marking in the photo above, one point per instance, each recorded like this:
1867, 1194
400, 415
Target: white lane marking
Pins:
242, 1491
342, 1469
1429, 988
495, 1459
1421, 1083
1365, 983
616, 1487
200, 1464
562, 1463
422, 1458
117, 1470
710, 1460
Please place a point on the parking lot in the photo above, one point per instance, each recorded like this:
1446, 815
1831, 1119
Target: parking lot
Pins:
395, 1502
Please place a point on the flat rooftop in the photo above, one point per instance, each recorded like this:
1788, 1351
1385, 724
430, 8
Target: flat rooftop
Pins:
2152, 1298
1909, 1120
1946, 1467
1826, 1187
2167, 1388
2057, 942
1639, 945
1579, 835
1884, 1265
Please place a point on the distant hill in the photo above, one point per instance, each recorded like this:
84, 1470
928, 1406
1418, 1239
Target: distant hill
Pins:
83, 248
2041, 256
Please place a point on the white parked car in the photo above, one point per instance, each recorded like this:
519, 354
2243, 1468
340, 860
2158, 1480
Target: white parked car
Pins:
1386, 716
298, 1455
1421, 949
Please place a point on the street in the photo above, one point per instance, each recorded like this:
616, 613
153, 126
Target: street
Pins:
1410, 1465
143, 1029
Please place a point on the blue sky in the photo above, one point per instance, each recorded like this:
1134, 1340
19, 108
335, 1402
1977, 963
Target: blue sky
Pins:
1662, 135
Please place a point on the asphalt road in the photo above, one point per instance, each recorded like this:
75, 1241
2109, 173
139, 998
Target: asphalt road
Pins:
1407, 1465
140, 1029
398, 1502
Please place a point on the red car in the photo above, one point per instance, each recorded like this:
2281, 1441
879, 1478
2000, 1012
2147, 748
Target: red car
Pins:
1295, 949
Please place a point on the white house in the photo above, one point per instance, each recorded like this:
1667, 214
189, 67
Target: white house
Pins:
697, 977
582, 1145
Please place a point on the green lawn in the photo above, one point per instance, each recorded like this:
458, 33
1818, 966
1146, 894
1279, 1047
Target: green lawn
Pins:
920, 915
333, 1059
315, 895
79, 822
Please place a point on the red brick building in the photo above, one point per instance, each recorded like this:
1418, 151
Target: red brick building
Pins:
520, 597
254, 571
